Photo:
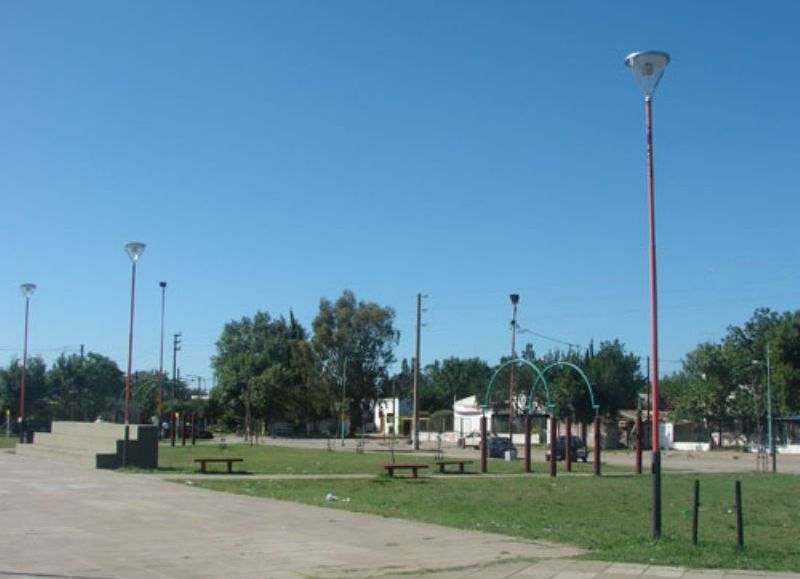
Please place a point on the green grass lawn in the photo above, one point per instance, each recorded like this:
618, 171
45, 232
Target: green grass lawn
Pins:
610, 516
8, 441
284, 460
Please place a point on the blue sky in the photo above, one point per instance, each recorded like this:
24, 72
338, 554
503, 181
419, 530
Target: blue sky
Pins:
273, 153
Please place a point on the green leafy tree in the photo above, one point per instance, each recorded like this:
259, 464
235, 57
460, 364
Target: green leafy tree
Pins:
83, 388
265, 371
354, 342
615, 377
36, 406
451, 379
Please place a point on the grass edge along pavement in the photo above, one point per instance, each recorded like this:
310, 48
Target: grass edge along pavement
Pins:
268, 459
608, 516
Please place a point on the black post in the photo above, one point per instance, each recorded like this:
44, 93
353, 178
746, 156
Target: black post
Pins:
483, 445
596, 446
656, 478
527, 426
553, 436
638, 443
695, 511
739, 522
568, 444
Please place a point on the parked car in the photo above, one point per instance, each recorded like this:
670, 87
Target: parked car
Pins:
577, 449
473, 440
204, 434
498, 446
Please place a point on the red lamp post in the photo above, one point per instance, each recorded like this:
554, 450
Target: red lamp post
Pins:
648, 67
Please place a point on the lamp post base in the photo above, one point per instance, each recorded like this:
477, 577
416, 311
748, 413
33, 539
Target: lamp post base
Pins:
656, 515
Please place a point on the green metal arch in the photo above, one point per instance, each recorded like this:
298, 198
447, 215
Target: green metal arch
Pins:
583, 376
519, 362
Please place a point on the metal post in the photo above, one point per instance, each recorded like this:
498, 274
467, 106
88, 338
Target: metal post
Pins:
483, 445
656, 518
553, 436
596, 446
176, 347
513, 380
344, 396
130, 365
160, 409
638, 443
695, 511
568, 444
739, 519
770, 439
21, 419
194, 428
415, 417
527, 427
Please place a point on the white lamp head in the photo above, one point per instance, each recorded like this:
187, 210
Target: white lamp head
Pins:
647, 67
134, 249
27, 289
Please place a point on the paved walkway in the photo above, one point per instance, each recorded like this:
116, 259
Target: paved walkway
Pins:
62, 521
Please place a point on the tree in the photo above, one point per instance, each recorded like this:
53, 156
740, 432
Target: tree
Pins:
615, 377
259, 365
453, 378
36, 407
83, 388
353, 341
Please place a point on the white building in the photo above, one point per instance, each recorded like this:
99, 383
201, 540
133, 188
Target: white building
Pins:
467, 416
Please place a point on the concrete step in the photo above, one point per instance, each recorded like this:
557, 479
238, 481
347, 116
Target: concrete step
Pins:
70, 457
82, 443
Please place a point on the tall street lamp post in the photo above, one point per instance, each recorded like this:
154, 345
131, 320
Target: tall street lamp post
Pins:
770, 438
648, 67
163, 286
513, 385
134, 250
27, 291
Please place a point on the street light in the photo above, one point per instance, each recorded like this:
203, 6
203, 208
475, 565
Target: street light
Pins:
648, 67
163, 286
134, 249
513, 381
27, 291
770, 439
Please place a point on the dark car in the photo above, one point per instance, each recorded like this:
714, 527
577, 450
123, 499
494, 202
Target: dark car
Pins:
498, 447
204, 434
577, 449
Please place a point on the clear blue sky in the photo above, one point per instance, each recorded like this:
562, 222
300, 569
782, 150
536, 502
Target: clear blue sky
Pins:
272, 153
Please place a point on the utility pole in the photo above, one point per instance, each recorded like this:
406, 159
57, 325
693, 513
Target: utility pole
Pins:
512, 388
176, 346
648, 391
770, 439
415, 417
163, 286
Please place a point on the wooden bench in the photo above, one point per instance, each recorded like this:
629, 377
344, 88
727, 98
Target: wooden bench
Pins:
444, 463
230, 462
390, 468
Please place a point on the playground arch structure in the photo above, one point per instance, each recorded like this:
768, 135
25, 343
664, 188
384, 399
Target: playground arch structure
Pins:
540, 378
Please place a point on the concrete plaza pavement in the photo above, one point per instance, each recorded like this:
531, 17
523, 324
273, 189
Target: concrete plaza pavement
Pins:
63, 521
